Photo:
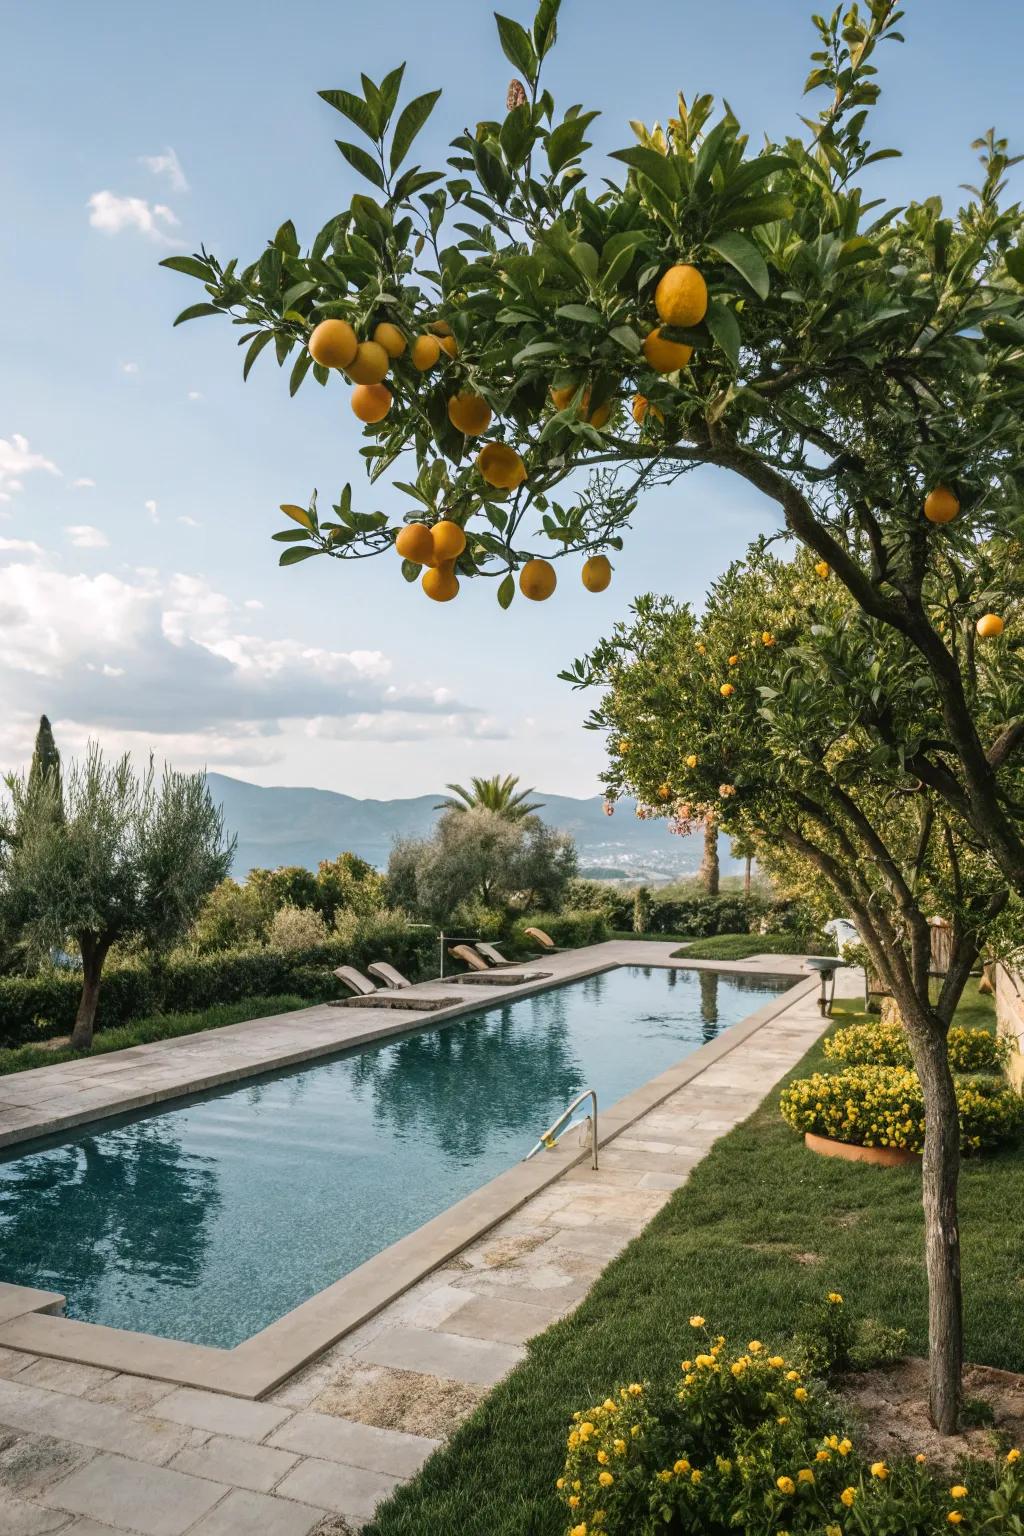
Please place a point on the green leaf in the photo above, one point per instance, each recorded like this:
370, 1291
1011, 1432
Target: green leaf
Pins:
294, 555
352, 107
750, 211
657, 168
389, 89
566, 141
506, 590
195, 310
410, 570
516, 136
190, 265
409, 124
517, 46
707, 155
724, 327
626, 337
298, 515
537, 349
289, 536
545, 26
362, 162
582, 312
585, 258
1015, 263
286, 239
303, 363
745, 257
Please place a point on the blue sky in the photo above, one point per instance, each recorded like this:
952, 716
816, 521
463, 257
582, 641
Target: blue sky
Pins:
139, 593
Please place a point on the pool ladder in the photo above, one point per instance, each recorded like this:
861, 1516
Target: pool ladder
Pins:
550, 1140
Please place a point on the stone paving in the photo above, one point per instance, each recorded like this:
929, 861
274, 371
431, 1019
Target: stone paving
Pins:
91, 1452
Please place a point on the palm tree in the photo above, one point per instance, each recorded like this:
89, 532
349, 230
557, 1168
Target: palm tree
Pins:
497, 794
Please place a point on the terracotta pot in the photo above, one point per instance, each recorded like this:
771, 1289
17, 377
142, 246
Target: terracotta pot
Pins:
881, 1157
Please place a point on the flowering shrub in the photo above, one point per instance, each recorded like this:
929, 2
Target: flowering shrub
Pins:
884, 1107
886, 1045
743, 1443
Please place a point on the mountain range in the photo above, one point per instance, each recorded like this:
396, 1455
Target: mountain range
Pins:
281, 825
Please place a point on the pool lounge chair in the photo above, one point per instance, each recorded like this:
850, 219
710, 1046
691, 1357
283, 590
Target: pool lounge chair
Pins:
388, 975
484, 975
469, 956
366, 995
355, 981
495, 956
543, 939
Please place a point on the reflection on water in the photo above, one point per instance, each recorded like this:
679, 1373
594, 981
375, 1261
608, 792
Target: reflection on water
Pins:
208, 1220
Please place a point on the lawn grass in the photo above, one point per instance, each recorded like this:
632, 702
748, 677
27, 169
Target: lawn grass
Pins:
740, 946
762, 1227
160, 1026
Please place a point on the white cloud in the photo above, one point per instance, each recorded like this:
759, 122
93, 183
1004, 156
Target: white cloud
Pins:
129, 367
189, 522
151, 509
253, 603
111, 213
19, 547
83, 483
83, 536
167, 165
17, 460
196, 394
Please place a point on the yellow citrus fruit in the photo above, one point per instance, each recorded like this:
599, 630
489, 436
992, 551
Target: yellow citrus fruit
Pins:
560, 397
371, 402
726, 689
665, 356
333, 344
440, 327
425, 352
823, 569
501, 466
599, 418
416, 542
990, 626
734, 661
469, 414
681, 297
450, 345
449, 541
597, 573
370, 363
390, 338
691, 761
441, 584
941, 505
623, 746
642, 408
537, 580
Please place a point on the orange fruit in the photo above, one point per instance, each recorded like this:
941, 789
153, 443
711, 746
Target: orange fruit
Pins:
665, 356
642, 407
469, 414
726, 689
941, 505
537, 580
441, 584
425, 352
370, 363
664, 791
560, 397
823, 569
415, 542
691, 761
681, 297
371, 402
599, 417
333, 344
501, 466
449, 541
450, 345
390, 338
990, 626
597, 573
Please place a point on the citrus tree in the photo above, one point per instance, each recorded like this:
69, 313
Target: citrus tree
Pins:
793, 717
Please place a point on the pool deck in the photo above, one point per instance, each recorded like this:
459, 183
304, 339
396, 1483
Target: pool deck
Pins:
98, 1433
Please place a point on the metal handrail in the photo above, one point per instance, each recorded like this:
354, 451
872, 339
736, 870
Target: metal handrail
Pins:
550, 1140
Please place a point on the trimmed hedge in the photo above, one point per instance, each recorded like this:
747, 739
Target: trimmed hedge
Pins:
707, 916
569, 930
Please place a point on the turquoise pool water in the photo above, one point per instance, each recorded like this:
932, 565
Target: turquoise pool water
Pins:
208, 1219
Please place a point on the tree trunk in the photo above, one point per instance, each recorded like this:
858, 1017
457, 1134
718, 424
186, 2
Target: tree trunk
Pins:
709, 863
94, 952
746, 875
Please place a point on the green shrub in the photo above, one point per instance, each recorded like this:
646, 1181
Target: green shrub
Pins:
570, 930
740, 946
884, 1107
829, 1338
743, 1443
887, 1045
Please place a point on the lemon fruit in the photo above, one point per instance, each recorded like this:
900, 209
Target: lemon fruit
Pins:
333, 344
371, 402
597, 573
390, 338
665, 356
370, 363
990, 626
501, 466
469, 414
726, 689
681, 297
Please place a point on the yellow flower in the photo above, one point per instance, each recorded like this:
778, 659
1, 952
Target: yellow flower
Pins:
706, 1361
801, 1394
738, 1367
602, 1457
635, 1431
573, 1500
920, 1458
578, 1530
696, 1475
767, 638
847, 1497
619, 1447
1013, 1456
723, 1464
785, 1485
792, 1375
805, 1475
958, 1491
682, 1466
635, 1389
666, 1476
844, 1447
696, 1321
833, 1530
574, 1439
605, 1479
755, 1347
880, 1470
954, 1517
609, 1405
835, 1298
777, 1361
687, 1365
782, 1419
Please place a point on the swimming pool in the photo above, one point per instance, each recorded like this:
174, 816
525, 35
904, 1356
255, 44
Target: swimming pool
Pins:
209, 1219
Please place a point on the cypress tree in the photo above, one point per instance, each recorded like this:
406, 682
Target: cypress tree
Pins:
45, 768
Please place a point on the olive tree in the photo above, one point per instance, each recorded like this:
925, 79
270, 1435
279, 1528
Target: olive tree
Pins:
794, 717
480, 856
128, 858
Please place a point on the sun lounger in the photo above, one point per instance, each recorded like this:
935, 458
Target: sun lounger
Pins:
387, 974
469, 956
543, 939
490, 953
355, 981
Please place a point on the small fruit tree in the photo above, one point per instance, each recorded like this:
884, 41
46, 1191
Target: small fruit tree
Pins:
789, 713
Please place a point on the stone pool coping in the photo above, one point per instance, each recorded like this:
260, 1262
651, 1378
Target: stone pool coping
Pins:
30, 1320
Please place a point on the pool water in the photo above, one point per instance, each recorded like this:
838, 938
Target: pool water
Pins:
211, 1218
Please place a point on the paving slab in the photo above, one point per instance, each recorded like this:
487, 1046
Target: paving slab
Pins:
65, 1376
244, 1513
236, 1462
443, 1354
500, 1319
350, 1491
18, 1518
100, 1425
133, 1496
219, 1413
359, 1445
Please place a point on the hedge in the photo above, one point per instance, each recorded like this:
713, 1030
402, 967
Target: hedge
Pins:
705, 917
569, 930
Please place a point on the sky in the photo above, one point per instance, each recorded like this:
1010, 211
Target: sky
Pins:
141, 604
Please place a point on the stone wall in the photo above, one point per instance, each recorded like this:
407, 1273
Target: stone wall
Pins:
1010, 1014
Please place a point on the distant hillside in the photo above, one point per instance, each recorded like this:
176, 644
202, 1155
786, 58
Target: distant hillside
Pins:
302, 826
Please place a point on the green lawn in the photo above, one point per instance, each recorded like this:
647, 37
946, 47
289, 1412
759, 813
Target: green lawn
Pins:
740, 946
762, 1227
161, 1026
